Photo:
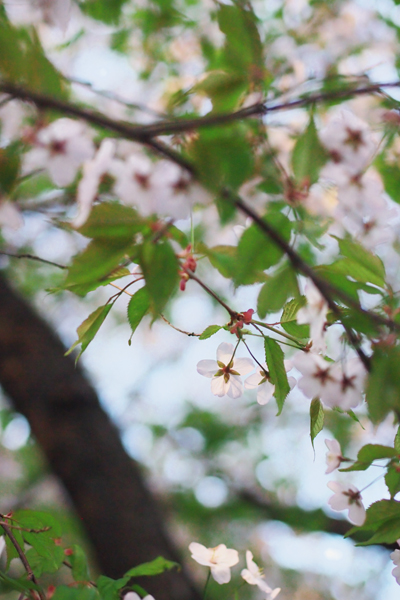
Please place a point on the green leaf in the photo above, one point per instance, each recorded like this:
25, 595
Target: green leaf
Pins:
383, 518
392, 479
78, 560
108, 11
316, 418
224, 89
256, 252
138, 306
160, 269
391, 177
88, 329
363, 265
154, 567
222, 258
20, 585
383, 388
222, 157
23, 61
368, 454
111, 221
11, 551
289, 318
64, 592
96, 264
10, 162
276, 290
42, 562
274, 357
109, 588
243, 51
309, 156
209, 331
397, 441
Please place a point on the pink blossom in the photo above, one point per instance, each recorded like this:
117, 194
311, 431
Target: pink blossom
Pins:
225, 372
347, 497
333, 456
220, 559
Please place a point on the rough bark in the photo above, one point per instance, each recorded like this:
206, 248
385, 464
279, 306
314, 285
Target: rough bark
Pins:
122, 519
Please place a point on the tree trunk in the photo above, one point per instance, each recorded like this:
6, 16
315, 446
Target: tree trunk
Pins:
122, 519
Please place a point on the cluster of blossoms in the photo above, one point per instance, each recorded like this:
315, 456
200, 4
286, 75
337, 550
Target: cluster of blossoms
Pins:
220, 560
162, 187
361, 206
189, 264
345, 497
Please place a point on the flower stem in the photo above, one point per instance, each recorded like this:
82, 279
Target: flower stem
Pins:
282, 333
206, 585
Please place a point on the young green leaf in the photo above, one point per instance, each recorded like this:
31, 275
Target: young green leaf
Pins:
392, 480
368, 453
383, 518
138, 306
369, 267
78, 560
256, 252
316, 418
111, 221
397, 441
309, 156
276, 290
289, 318
383, 388
274, 357
209, 331
160, 269
154, 567
88, 329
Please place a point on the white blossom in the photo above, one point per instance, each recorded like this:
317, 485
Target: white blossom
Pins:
349, 141
93, 171
316, 371
333, 456
61, 148
55, 12
395, 556
254, 576
314, 313
335, 384
260, 381
345, 386
347, 497
220, 559
10, 216
226, 371
135, 596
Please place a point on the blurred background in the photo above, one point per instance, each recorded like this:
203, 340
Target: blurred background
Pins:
221, 470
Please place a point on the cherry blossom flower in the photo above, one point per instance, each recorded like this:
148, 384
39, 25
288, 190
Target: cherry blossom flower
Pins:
254, 576
314, 313
260, 380
395, 556
333, 456
134, 183
347, 497
220, 559
345, 385
55, 12
10, 216
349, 140
61, 148
316, 371
93, 171
135, 596
225, 372
335, 384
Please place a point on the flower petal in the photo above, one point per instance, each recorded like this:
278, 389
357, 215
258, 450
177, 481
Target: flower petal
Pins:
235, 388
243, 365
221, 573
219, 387
225, 352
207, 367
265, 392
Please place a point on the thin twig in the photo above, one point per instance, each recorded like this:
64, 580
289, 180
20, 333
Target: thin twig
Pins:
33, 257
22, 557
180, 330
135, 133
233, 314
